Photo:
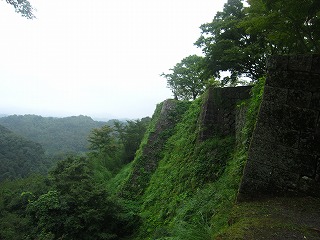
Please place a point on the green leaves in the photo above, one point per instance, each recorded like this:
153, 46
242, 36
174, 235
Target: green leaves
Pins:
228, 46
19, 156
77, 207
239, 39
187, 80
101, 140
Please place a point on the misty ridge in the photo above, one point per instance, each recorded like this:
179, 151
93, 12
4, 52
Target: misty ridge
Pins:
56, 135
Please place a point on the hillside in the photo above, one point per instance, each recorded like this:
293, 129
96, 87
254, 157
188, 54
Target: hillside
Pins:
204, 170
186, 185
56, 135
19, 156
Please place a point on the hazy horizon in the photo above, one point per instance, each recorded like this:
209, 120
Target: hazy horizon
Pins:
104, 119
97, 58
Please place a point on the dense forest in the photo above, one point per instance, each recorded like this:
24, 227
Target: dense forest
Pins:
19, 157
115, 191
31, 203
56, 135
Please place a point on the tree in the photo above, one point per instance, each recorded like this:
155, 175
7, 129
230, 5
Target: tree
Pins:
77, 207
106, 148
239, 39
15, 196
23, 7
102, 140
187, 80
19, 157
228, 47
290, 26
130, 135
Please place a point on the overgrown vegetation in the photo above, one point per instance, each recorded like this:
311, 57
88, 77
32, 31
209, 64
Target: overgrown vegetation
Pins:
73, 201
192, 192
151, 149
176, 186
19, 157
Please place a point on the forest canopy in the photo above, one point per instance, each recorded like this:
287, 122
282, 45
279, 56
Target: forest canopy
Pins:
237, 42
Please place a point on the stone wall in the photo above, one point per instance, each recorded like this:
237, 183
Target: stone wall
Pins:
146, 161
284, 155
218, 117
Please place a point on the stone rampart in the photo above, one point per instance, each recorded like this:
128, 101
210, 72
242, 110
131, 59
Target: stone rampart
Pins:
284, 155
218, 116
145, 163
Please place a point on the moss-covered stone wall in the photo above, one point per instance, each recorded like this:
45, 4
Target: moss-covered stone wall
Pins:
166, 116
284, 155
218, 116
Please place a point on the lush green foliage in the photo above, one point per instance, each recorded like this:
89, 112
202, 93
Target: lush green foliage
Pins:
105, 147
14, 199
189, 195
228, 46
180, 186
288, 26
19, 156
56, 135
193, 189
239, 39
76, 207
186, 167
73, 203
187, 80
113, 147
69, 205
161, 127
130, 135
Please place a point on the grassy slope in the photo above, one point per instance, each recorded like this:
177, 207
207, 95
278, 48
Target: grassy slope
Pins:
192, 194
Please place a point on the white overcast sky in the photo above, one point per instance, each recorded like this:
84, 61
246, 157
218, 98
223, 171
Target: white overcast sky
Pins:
100, 58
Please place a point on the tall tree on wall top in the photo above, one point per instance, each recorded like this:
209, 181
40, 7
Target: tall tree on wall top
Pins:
290, 26
228, 46
187, 80
240, 38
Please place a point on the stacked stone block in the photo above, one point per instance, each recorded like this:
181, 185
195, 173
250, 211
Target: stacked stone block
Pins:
284, 155
218, 117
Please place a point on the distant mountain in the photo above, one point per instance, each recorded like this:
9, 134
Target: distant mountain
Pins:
56, 135
3, 115
19, 156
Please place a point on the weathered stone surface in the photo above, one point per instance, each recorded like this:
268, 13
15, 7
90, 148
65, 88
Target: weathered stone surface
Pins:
150, 156
300, 63
315, 64
286, 140
299, 119
218, 117
298, 98
286, 137
277, 63
283, 180
317, 178
309, 186
273, 94
310, 142
308, 164
273, 154
258, 171
315, 101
